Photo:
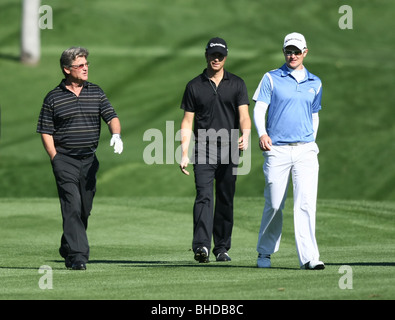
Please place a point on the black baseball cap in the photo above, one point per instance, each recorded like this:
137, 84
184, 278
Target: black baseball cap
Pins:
217, 45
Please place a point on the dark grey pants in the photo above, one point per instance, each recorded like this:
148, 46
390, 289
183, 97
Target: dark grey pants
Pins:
215, 182
76, 183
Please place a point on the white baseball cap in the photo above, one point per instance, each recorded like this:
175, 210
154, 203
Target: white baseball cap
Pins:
295, 39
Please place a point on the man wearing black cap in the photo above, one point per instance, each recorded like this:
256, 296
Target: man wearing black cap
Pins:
215, 105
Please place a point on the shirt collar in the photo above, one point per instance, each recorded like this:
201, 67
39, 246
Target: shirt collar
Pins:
63, 84
285, 72
226, 74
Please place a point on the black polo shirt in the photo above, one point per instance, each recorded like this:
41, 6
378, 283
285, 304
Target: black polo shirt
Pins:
215, 107
75, 122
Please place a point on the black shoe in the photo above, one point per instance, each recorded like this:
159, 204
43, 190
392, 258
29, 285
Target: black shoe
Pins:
78, 265
201, 255
223, 256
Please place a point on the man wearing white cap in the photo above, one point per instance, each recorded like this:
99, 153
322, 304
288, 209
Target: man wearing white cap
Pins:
290, 98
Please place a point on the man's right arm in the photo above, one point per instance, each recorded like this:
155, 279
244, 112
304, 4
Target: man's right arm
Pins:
186, 133
49, 145
260, 110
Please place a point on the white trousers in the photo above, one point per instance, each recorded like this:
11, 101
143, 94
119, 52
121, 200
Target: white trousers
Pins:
301, 162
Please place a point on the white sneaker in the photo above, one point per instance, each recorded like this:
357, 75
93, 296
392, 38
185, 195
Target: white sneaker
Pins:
314, 265
264, 261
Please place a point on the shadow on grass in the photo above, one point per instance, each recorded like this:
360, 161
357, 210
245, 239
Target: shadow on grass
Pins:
188, 264
28, 268
152, 264
215, 264
366, 264
4, 56
170, 264
175, 264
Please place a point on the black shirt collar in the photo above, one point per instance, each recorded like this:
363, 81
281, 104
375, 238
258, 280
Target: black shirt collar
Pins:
62, 84
205, 76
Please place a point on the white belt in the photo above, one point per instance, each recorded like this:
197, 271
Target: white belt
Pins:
294, 144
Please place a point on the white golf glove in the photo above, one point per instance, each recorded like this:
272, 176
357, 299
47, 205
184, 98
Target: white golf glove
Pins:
117, 143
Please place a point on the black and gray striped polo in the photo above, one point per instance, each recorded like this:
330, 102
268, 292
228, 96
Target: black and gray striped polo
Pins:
75, 122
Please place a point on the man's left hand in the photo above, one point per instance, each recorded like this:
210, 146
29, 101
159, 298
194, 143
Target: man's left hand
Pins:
117, 143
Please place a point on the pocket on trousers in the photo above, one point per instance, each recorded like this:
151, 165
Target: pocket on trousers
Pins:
55, 157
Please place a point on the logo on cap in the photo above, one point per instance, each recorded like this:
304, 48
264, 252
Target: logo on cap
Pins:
217, 44
295, 39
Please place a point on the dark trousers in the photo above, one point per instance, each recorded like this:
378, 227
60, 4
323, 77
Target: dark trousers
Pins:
76, 183
214, 219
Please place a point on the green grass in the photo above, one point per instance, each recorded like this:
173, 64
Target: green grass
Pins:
144, 52
140, 250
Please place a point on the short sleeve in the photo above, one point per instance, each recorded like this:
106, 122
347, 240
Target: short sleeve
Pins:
264, 90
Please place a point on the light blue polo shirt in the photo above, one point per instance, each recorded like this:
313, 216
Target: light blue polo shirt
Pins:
291, 105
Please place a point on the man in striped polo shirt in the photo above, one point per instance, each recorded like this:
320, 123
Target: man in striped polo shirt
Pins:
69, 124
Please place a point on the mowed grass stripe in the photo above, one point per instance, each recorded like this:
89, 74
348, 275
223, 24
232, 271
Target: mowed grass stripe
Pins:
140, 249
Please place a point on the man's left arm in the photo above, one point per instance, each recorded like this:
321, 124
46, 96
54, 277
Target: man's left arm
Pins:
316, 107
316, 121
114, 125
245, 126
